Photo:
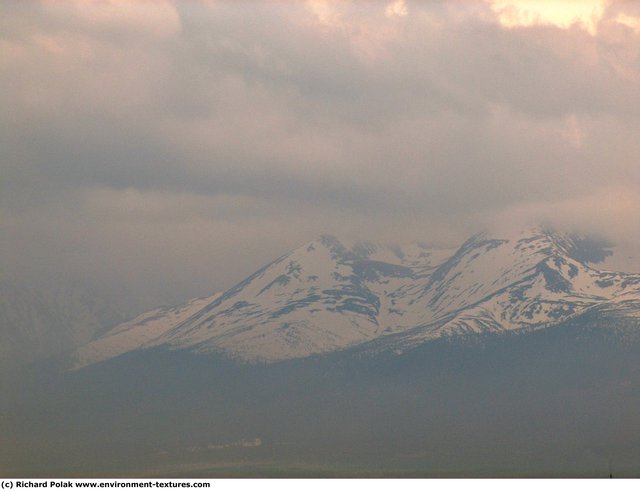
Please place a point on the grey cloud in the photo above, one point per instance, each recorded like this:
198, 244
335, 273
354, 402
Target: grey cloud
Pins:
451, 124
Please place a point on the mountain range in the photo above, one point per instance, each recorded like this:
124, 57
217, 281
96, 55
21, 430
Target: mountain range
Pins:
510, 355
328, 295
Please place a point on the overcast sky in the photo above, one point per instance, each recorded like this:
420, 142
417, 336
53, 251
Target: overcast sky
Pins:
175, 146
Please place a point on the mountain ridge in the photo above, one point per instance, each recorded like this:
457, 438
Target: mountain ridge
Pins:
328, 296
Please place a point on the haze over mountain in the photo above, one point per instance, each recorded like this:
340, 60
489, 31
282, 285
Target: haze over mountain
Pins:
52, 316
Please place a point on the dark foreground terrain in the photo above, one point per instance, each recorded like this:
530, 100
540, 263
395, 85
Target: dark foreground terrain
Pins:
564, 401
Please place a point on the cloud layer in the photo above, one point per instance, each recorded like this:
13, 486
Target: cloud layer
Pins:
175, 146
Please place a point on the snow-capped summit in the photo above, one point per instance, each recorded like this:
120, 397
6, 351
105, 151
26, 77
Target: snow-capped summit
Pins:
328, 295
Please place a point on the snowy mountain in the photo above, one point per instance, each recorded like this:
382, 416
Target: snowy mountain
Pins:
328, 296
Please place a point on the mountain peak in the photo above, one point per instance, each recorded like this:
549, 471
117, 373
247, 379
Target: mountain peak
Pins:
579, 246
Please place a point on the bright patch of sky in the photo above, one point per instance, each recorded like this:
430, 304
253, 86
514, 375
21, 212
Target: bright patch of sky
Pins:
558, 13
